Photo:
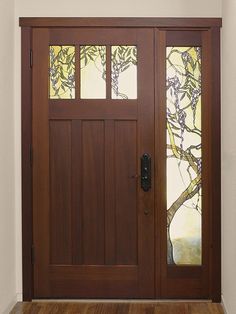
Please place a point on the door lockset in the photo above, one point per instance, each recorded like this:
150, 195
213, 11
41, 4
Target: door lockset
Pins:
146, 172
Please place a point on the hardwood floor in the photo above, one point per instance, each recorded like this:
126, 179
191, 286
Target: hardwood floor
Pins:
117, 308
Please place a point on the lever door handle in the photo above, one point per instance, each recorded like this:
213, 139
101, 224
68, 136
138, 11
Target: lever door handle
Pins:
146, 180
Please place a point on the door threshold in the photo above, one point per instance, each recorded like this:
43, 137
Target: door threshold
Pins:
123, 300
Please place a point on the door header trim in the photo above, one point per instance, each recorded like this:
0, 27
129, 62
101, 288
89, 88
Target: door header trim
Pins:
160, 22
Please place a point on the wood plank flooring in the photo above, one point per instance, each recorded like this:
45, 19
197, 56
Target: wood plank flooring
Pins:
117, 308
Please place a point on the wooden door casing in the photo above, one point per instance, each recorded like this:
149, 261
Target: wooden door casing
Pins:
211, 29
96, 240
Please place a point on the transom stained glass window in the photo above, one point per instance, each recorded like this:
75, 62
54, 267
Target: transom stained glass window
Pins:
93, 72
124, 72
62, 72
184, 189
93, 68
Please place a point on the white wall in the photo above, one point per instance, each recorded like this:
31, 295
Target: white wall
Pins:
168, 8
182, 8
229, 155
7, 214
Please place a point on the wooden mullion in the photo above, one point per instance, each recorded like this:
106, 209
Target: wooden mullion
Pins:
160, 158
77, 72
108, 72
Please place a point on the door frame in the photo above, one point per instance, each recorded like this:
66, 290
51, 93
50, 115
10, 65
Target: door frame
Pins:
212, 24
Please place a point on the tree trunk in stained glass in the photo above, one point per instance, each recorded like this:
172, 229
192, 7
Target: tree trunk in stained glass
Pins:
124, 72
183, 70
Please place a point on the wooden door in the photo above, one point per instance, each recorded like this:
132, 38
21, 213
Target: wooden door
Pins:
93, 223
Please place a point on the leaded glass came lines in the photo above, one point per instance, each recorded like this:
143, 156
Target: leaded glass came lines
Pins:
184, 197
124, 72
92, 72
62, 72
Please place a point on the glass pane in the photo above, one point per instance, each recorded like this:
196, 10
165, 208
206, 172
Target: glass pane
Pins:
93, 71
62, 72
124, 72
184, 193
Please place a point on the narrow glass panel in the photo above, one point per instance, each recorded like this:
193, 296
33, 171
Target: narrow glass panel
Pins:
92, 72
62, 72
124, 72
184, 193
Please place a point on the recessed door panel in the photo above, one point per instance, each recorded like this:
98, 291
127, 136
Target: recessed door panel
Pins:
92, 174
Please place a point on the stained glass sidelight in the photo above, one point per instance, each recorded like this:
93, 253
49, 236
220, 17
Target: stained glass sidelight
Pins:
93, 72
62, 72
184, 190
124, 72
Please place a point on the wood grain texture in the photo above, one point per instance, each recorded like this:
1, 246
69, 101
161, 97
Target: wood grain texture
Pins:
93, 192
118, 308
76, 192
119, 22
126, 192
40, 140
146, 145
110, 219
26, 133
216, 168
60, 190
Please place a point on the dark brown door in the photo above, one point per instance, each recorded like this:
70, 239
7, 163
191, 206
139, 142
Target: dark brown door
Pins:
93, 119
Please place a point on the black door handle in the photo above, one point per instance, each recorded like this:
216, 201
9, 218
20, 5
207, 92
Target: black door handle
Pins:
146, 175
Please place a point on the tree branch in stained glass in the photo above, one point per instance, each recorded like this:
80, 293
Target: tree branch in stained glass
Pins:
92, 72
124, 72
62, 72
184, 196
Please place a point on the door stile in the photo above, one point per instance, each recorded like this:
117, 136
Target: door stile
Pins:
207, 183
40, 130
160, 169
26, 164
146, 145
215, 261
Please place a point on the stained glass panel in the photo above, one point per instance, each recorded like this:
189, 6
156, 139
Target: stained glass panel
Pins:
184, 190
93, 72
124, 72
62, 72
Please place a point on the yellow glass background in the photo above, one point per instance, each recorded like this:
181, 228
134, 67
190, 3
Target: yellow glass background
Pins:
62, 72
